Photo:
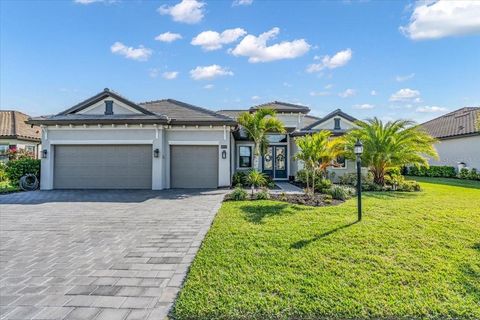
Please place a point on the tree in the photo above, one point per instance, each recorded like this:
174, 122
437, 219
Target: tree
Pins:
391, 145
257, 125
256, 179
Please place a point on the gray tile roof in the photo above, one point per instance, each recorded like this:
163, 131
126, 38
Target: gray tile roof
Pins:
100, 119
280, 106
234, 114
308, 120
184, 113
457, 123
13, 126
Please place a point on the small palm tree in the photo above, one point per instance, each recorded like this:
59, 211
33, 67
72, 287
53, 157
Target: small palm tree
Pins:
306, 154
256, 179
258, 125
391, 145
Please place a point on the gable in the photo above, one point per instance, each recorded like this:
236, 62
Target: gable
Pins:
118, 107
329, 124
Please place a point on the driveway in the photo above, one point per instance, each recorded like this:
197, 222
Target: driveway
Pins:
99, 254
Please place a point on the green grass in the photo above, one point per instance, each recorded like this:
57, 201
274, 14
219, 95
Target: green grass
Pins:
414, 256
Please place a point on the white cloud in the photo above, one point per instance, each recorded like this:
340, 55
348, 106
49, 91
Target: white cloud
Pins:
212, 40
208, 86
153, 73
168, 37
242, 3
187, 11
339, 59
140, 54
438, 19
256, 49
405, 78
170, 75
347, 93
373, 93
319, 93
406, 95
364, 106
328, 86
431, 109
209, 72
256, 98
94, 1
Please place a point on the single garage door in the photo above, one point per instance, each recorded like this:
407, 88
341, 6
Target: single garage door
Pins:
193, 166
103, 167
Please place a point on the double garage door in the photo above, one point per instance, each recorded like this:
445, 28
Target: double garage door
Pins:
130, 166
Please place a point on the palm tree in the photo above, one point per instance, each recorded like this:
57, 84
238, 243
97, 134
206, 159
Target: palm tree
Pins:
306, 151
256, 179
391, 145
258, 125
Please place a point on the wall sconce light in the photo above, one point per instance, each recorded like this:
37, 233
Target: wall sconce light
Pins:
224, 154
156, 153
44, 154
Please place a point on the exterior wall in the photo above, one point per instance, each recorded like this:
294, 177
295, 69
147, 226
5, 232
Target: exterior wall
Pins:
118, 108
453, 151
291, 120
22, 144
330, 124
350, 167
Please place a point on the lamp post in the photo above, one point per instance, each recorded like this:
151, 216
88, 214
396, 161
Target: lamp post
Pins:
358, 150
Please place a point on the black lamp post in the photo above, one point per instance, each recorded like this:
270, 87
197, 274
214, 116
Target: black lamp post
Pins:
358, 150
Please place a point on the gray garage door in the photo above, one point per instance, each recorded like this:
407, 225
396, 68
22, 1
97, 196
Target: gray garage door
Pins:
194, 166
103, 167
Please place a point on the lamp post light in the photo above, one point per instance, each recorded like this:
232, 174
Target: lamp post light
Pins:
358, 150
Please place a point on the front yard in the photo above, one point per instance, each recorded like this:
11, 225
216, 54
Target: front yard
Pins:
415, 255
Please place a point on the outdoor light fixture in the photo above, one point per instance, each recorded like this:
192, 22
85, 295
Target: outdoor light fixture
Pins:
156, 153
224, 154
44, 153
358, 150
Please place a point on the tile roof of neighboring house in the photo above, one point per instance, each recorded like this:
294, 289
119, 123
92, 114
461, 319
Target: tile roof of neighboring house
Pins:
460, 122
308, 120
12, 125
332, 114
184, 113
280, 106
234, 114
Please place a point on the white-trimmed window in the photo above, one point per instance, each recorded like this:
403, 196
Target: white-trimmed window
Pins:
245, 156
341, 162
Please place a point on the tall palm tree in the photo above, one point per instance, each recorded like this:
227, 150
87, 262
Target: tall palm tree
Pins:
257, 125
391, 145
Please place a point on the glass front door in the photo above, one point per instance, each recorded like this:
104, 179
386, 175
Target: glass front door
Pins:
275, 162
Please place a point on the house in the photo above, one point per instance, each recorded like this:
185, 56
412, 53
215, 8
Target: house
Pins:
458, 133
15, 134
110, 142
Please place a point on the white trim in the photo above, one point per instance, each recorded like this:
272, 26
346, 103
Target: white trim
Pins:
101, 127
194, 143
195, 128
96, 142
110, 98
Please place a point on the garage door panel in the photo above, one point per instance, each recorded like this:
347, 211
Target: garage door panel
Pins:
193, 166
103, 167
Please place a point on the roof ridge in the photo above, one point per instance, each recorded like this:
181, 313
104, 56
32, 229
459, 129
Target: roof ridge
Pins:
451, 113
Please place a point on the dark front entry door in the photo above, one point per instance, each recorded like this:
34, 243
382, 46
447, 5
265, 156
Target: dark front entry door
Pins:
275, 162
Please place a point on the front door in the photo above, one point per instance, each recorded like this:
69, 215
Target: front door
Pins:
275, 162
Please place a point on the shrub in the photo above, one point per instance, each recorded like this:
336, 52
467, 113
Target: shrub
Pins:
351, 179
15, 169
464, 173
339, 192
322, 185
3, 173
238, 178
409, 186
302, 176
256, 178
433, 171
238, 194
262, 195
474, 175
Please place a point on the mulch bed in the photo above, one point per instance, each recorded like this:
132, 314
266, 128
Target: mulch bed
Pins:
317, 200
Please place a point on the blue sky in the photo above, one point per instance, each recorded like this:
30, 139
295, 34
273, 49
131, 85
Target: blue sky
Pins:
390, 59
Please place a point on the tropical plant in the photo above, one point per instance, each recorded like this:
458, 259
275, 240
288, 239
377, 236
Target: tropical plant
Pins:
257, 125
391, 145
238, 194
256, 179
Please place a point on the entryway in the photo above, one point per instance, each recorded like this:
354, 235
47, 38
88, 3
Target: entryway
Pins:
275, 162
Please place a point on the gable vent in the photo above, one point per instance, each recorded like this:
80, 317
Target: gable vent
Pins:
108, 107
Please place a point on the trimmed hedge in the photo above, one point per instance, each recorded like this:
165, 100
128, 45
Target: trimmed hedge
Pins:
15, 169
433, 171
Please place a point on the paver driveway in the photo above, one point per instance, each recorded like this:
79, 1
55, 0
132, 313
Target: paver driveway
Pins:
98, 254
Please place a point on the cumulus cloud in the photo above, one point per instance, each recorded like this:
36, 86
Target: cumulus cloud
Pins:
438, 19
339, 59
347, 93
140, 54
170, 75
168, 37
364, 106
242, 2
405, 78
257, 50
209, 72
187, 11
212, 40
406, 95
431, 109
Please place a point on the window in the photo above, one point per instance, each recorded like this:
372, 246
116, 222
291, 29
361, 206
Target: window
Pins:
337, 124
245, 157
276, 138
341, 163
3, 153
108, 107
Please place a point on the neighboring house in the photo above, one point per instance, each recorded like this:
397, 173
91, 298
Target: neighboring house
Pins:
110, 142
15, 134
458, 133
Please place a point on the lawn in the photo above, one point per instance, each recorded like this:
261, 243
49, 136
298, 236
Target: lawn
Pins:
413, 256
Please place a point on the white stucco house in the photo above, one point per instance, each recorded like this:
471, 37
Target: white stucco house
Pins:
458, 133
110, 142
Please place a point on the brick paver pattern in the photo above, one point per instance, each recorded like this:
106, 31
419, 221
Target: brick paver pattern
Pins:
99, 254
